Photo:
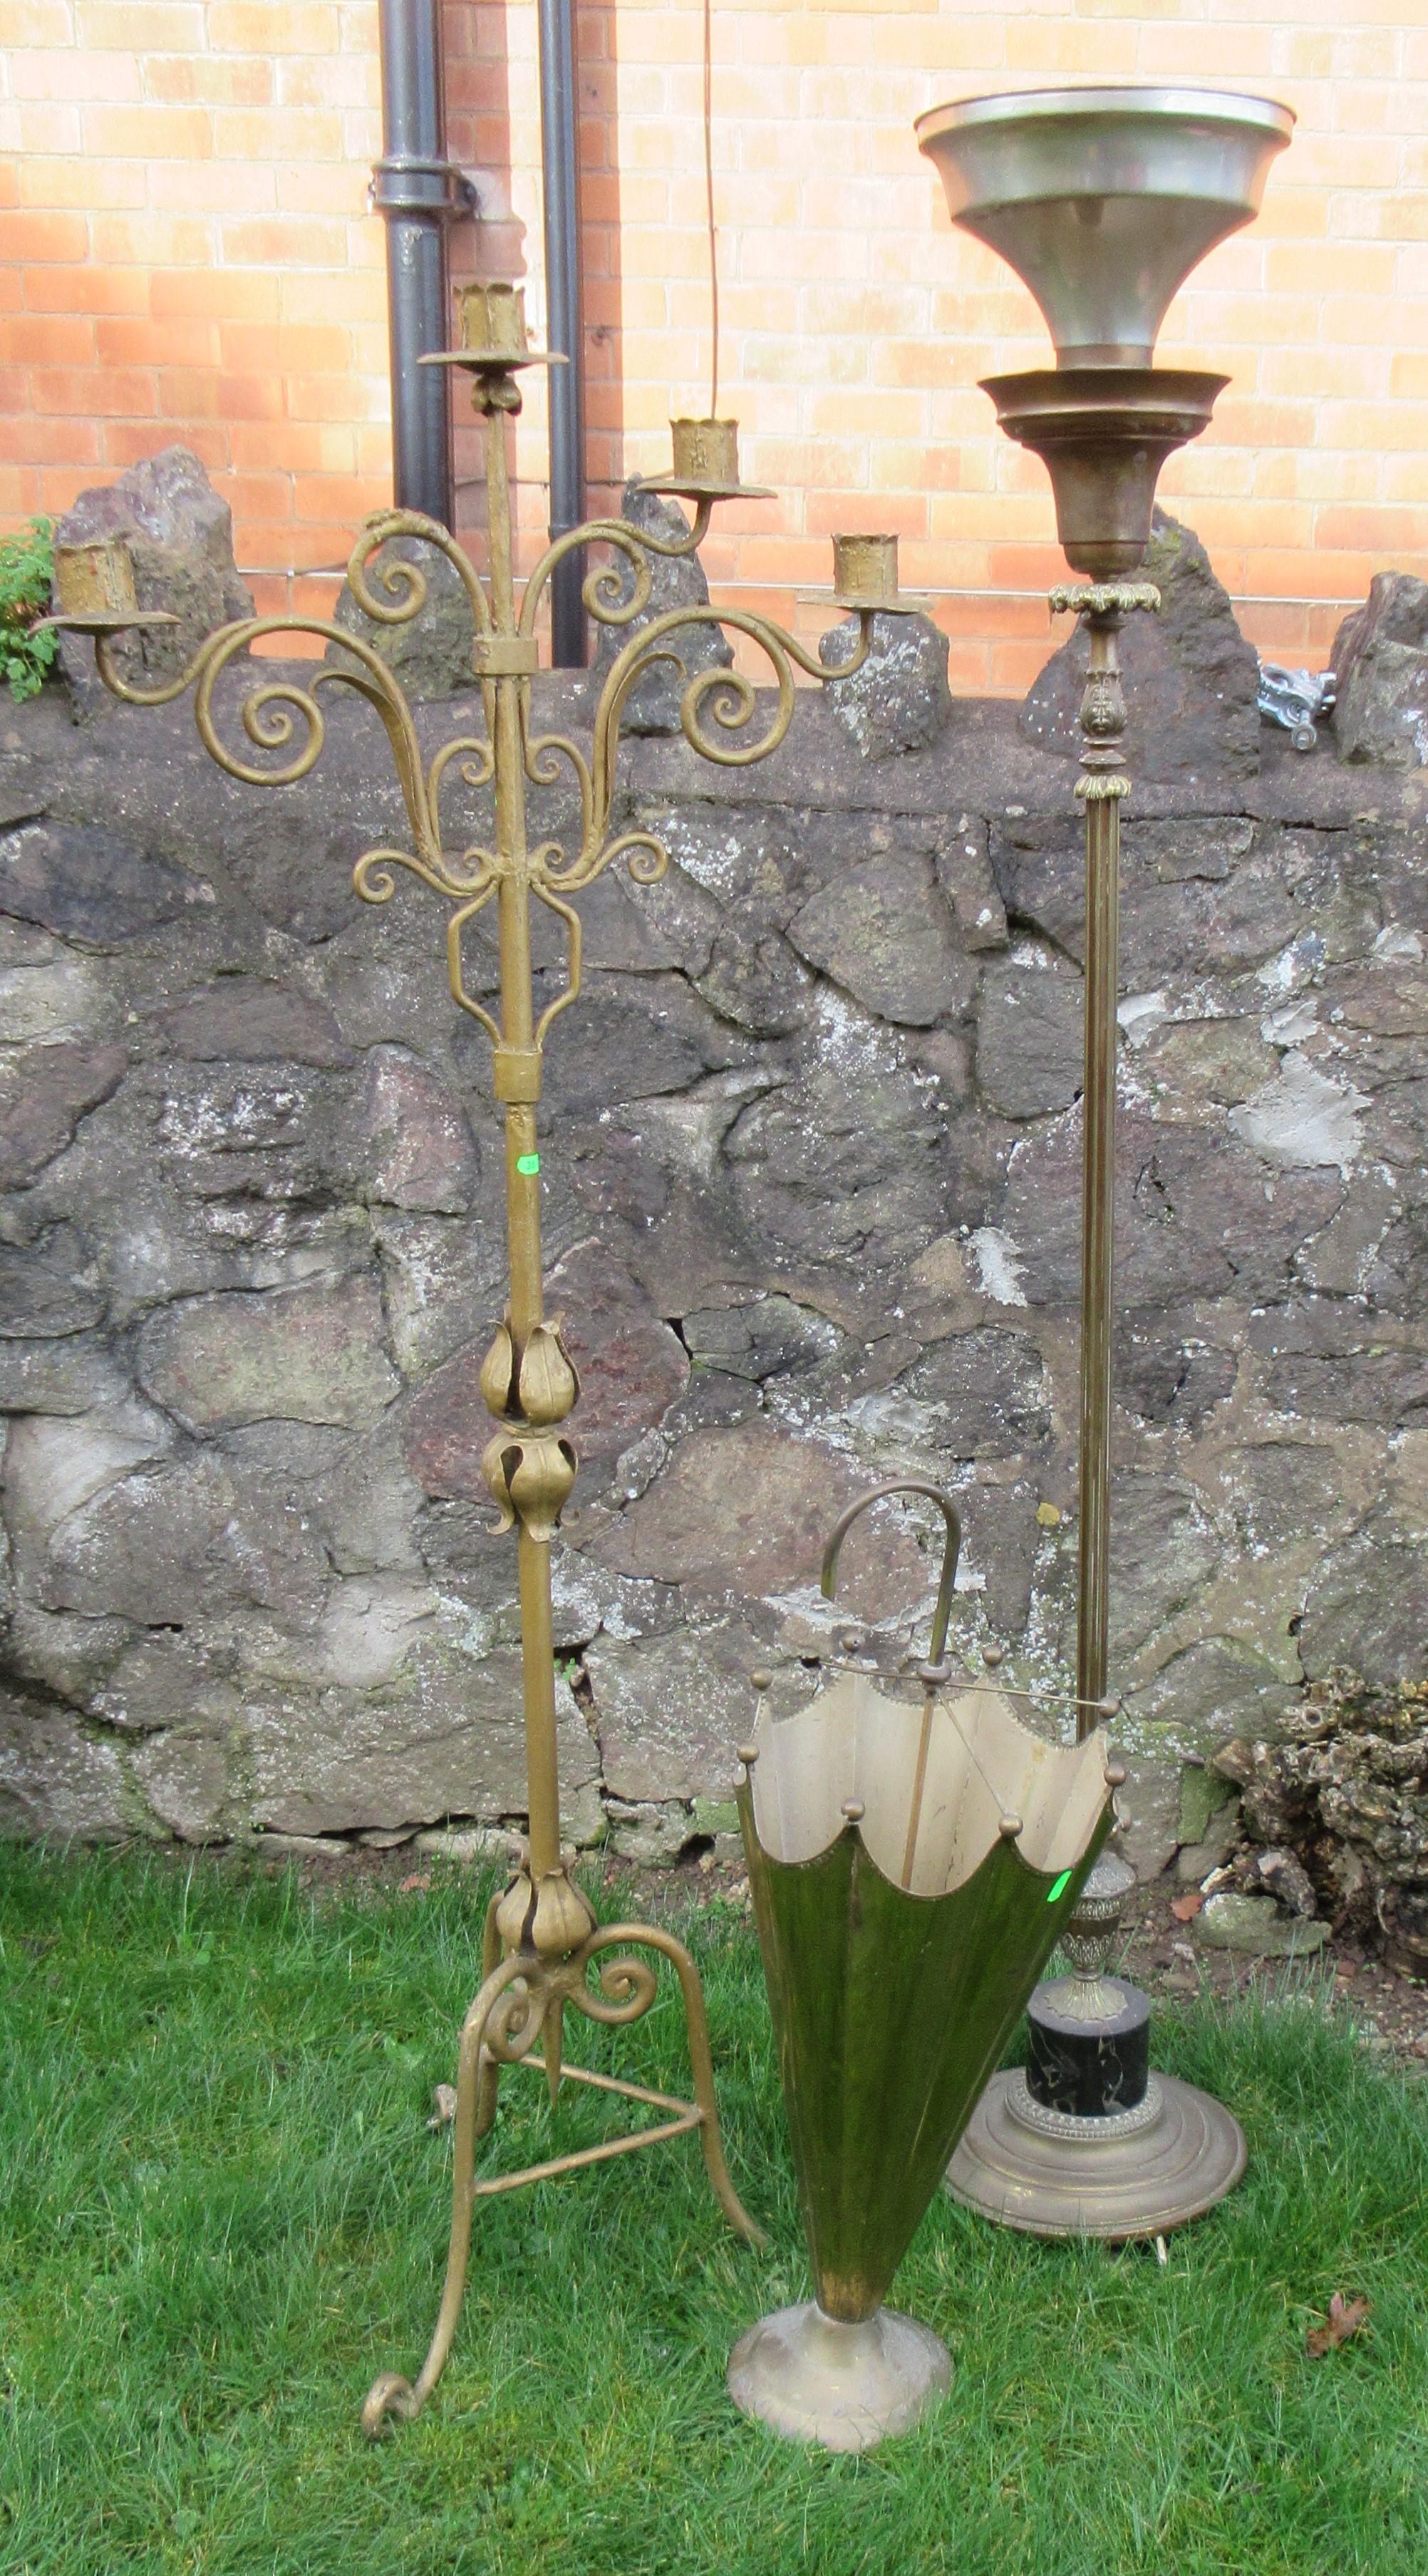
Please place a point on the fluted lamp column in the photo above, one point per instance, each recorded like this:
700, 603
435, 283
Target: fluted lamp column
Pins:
1103, 200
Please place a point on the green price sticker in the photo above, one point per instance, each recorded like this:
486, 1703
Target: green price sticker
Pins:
1059, 1890
528, 1163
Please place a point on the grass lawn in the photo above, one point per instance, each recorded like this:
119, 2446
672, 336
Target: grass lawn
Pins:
224, 2214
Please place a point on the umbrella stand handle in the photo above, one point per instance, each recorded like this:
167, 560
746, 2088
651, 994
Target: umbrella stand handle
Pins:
952, 1550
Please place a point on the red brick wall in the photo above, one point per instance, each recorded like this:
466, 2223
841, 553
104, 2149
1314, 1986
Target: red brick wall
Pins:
186, 252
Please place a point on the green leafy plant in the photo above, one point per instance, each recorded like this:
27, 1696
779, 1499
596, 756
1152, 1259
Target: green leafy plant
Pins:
26, 571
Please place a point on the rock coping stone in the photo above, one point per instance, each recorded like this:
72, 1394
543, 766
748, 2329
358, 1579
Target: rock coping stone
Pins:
180, 539
653, 706
1191, 680
1381, 676
432, 655
898, 700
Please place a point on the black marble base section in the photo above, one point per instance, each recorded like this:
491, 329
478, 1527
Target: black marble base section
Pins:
1089, 2068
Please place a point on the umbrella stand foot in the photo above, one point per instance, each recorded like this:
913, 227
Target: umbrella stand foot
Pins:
813, 2378
1135, 2173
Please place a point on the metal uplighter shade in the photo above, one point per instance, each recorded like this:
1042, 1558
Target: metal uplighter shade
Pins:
912, 1863
1104, 200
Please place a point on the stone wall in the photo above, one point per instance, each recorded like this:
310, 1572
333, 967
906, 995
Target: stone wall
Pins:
812, 1204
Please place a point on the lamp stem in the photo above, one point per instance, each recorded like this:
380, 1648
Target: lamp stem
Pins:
1103, 862
522, 1151
491, 402
1100, 787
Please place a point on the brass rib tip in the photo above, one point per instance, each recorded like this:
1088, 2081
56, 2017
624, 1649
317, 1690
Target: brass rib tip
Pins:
1115, 1775
761, 1678
748, 1754
854, 1810
992, 1656
1009, 1828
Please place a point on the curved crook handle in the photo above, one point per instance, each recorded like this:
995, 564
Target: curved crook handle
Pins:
950, 1553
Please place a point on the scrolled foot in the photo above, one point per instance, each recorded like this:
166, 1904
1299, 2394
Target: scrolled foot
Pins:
389, 2395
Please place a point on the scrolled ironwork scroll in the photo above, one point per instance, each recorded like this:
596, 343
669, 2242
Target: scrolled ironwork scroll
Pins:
283, 719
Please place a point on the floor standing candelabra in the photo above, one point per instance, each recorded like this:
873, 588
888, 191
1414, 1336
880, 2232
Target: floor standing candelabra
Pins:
543, 1945
1103, 201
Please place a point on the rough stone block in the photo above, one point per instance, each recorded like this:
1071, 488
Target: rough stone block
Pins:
653, 706
179, 536
430, 655
1381, 675
1191, 680
184, 1776
44, 1093
883, 932
308, 1354
747, 1510
1149, 1808
89, 884
899, 700
1256, 1927
1030, 1036
1367, 1608
58, 1778
670, 1710
447, 1741
417, 1149
241, 1021
975, 1395
1211, 1690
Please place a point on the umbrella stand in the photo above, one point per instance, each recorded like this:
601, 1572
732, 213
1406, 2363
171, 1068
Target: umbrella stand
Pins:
912, 1864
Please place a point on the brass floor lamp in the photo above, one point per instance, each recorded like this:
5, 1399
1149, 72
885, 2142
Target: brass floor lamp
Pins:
1103, 200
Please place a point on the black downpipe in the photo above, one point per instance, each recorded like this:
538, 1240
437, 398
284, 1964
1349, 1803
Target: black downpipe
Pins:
418, 191
560, 159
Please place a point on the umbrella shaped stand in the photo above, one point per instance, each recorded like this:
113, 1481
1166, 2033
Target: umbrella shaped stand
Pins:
912, 1861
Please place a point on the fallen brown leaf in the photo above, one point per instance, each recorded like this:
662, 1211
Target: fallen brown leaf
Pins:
1186, 1907
1347, 2317
416, 1885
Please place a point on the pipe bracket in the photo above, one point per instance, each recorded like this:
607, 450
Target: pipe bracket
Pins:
420, 183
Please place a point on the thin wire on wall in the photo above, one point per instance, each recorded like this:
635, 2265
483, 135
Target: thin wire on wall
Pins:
709, 202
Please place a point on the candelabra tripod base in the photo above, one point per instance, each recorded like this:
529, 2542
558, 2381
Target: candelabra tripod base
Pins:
523, 1998
814, 2378
1116, 2175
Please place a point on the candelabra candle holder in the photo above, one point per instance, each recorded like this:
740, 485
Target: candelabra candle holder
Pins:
913, 1864
1103, 201
542, 1944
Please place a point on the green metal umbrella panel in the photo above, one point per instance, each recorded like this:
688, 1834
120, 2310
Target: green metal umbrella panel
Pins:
911, 1864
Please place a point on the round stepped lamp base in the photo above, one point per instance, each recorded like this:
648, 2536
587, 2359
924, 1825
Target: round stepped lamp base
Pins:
814, 2379
1131, 2173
